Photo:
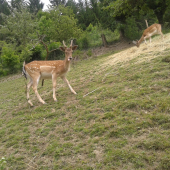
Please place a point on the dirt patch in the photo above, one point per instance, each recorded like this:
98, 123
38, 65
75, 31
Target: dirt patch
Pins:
10, 78
123, 44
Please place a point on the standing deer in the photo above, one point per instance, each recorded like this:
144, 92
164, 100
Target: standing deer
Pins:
37, 70
148, 33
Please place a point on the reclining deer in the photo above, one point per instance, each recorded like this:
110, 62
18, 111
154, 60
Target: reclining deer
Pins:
37, 70
148, 33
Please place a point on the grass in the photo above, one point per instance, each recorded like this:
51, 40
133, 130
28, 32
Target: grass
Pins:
118, 120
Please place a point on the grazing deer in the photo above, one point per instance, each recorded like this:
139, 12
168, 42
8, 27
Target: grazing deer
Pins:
37, 70
148, 33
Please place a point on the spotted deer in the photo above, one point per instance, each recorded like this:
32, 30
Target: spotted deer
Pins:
37, 70
148, 33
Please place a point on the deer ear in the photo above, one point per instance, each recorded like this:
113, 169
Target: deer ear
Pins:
74, 47
62, 48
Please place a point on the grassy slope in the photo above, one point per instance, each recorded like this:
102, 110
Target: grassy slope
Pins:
120, 118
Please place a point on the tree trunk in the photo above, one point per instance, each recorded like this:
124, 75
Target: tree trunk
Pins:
159, 17
122, 34
104, 40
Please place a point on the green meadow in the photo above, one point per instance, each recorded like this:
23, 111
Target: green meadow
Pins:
119, 119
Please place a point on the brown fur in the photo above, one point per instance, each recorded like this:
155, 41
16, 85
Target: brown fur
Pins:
37, 70
150, 31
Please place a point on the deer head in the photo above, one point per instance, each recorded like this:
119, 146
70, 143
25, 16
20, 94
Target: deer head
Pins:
68, 51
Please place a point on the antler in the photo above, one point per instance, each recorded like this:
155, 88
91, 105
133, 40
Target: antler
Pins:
64, 44
71, 43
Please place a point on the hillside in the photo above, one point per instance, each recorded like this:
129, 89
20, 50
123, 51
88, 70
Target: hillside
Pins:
119, 119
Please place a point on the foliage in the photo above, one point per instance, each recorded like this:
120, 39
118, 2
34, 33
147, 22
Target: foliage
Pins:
4, 8
26, 54
120, 10
131, 30
89, 53
83, 43
9, 59
92, 37
35, 6
57, 2
19, 27
58, 24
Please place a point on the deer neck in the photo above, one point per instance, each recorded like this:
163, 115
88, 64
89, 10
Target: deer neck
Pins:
66, 64
141, 39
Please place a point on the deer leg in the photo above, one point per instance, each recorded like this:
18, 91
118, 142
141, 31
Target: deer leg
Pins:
67, 82
54, 78
28, 95
162, 35
150, 39
145, 40
35, 84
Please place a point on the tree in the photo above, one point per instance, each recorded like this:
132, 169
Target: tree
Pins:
73, 5
159, 7
58, 24
35, 6
85, 14
57, 2
122, 9
16, 4
4, 8
19, 28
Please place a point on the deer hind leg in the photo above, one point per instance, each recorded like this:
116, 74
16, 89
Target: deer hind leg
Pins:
34, 87
67, 82
28, 89
54, 78
162, 36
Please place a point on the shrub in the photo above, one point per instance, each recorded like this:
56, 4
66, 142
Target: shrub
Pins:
10, 60
83, 43
89, 28
89, 53
131, 30
26, 54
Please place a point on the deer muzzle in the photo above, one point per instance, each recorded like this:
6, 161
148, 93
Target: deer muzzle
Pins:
70, 58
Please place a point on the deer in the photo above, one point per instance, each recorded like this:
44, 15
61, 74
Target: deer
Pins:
36, 70
148, 33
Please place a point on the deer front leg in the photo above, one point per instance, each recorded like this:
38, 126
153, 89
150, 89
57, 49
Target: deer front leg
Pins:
54, 79
67, 82
145, 40
28, 95
37, 94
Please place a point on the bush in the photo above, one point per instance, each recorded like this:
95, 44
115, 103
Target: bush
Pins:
130, 29
10, 60
83, 43
89, 28
89, 53
36, 53
26, 54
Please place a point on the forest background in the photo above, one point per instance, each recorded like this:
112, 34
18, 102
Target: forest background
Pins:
27, 32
